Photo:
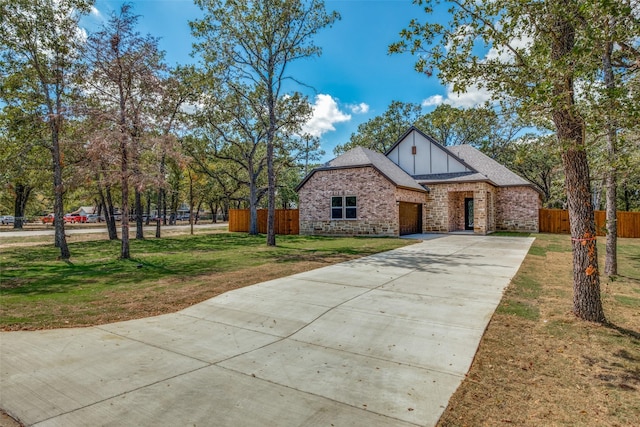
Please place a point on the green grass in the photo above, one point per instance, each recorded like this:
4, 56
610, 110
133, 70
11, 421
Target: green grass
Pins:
32, 276
511, 234
519, 309
628, 301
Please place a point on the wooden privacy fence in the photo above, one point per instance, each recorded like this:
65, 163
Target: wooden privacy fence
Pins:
287, 221
557, 221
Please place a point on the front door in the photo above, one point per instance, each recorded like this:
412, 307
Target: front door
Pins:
468, 214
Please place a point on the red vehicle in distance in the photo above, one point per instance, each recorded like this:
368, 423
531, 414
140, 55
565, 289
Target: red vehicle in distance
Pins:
75, 218
68, 219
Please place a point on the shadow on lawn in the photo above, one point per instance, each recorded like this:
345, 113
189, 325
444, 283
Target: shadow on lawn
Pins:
624, 331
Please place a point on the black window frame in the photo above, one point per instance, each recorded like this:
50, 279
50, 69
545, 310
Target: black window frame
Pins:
344, 208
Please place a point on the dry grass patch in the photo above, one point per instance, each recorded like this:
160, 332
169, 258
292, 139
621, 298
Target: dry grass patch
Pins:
539, 365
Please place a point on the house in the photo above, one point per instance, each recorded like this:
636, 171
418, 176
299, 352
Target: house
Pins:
85, 210
418, 186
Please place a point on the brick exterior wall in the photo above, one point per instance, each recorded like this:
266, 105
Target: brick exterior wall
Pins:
517, 209
445, 207
495, 209
377, 210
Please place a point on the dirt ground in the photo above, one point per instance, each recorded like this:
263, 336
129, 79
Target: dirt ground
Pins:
548, 368
7, 421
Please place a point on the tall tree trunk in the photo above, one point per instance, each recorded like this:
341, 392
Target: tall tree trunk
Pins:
253, 207
148, 209
611, 258
106, 202
138, 209
191, 202
164, 207
159, 213
271, 173
109, 214
161, 199
124, 170
596, 191
58, 186
22, 196
253, 200
570, 128
213, 207
586, 280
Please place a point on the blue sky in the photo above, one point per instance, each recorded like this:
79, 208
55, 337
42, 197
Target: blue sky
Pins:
354, 79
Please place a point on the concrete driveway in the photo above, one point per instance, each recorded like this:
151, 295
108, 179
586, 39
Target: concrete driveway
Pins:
380, 341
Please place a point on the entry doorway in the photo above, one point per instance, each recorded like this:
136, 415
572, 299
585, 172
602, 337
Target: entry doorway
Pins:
468, 214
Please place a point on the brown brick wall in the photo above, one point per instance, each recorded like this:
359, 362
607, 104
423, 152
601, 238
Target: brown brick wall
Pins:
495, 209
517, 209
377, 210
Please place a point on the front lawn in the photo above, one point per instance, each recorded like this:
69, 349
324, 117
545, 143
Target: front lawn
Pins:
37, 291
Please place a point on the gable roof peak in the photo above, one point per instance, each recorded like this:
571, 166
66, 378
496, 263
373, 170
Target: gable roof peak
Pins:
359, 157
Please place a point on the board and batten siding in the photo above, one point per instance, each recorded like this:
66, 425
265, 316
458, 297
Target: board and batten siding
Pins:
429, 158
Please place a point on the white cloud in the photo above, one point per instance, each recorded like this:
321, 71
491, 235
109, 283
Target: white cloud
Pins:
433, 100
325, 113
361, 108
95, 12
505, 54
473, 97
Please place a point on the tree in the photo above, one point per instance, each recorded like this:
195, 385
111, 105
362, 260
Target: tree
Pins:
613, 108
181, 86
381, 132
310, 151
23, 157
124, 75
41, 44
253, 42
481, 127
536, 158
232, 133
537, 53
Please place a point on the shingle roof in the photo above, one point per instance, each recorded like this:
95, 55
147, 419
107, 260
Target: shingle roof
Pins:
483, 168
486, 166
362, 157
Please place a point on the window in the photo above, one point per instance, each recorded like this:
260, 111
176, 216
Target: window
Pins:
343, 207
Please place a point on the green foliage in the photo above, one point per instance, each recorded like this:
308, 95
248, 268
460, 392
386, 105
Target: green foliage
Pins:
481, 127
381, 132
246, 49
537, 158
40, 54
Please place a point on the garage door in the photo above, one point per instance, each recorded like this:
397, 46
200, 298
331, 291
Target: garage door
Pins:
410, 218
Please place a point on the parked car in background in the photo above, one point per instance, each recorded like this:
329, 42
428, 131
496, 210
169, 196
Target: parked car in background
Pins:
7, 219
75, 218
94, 218
47, 219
